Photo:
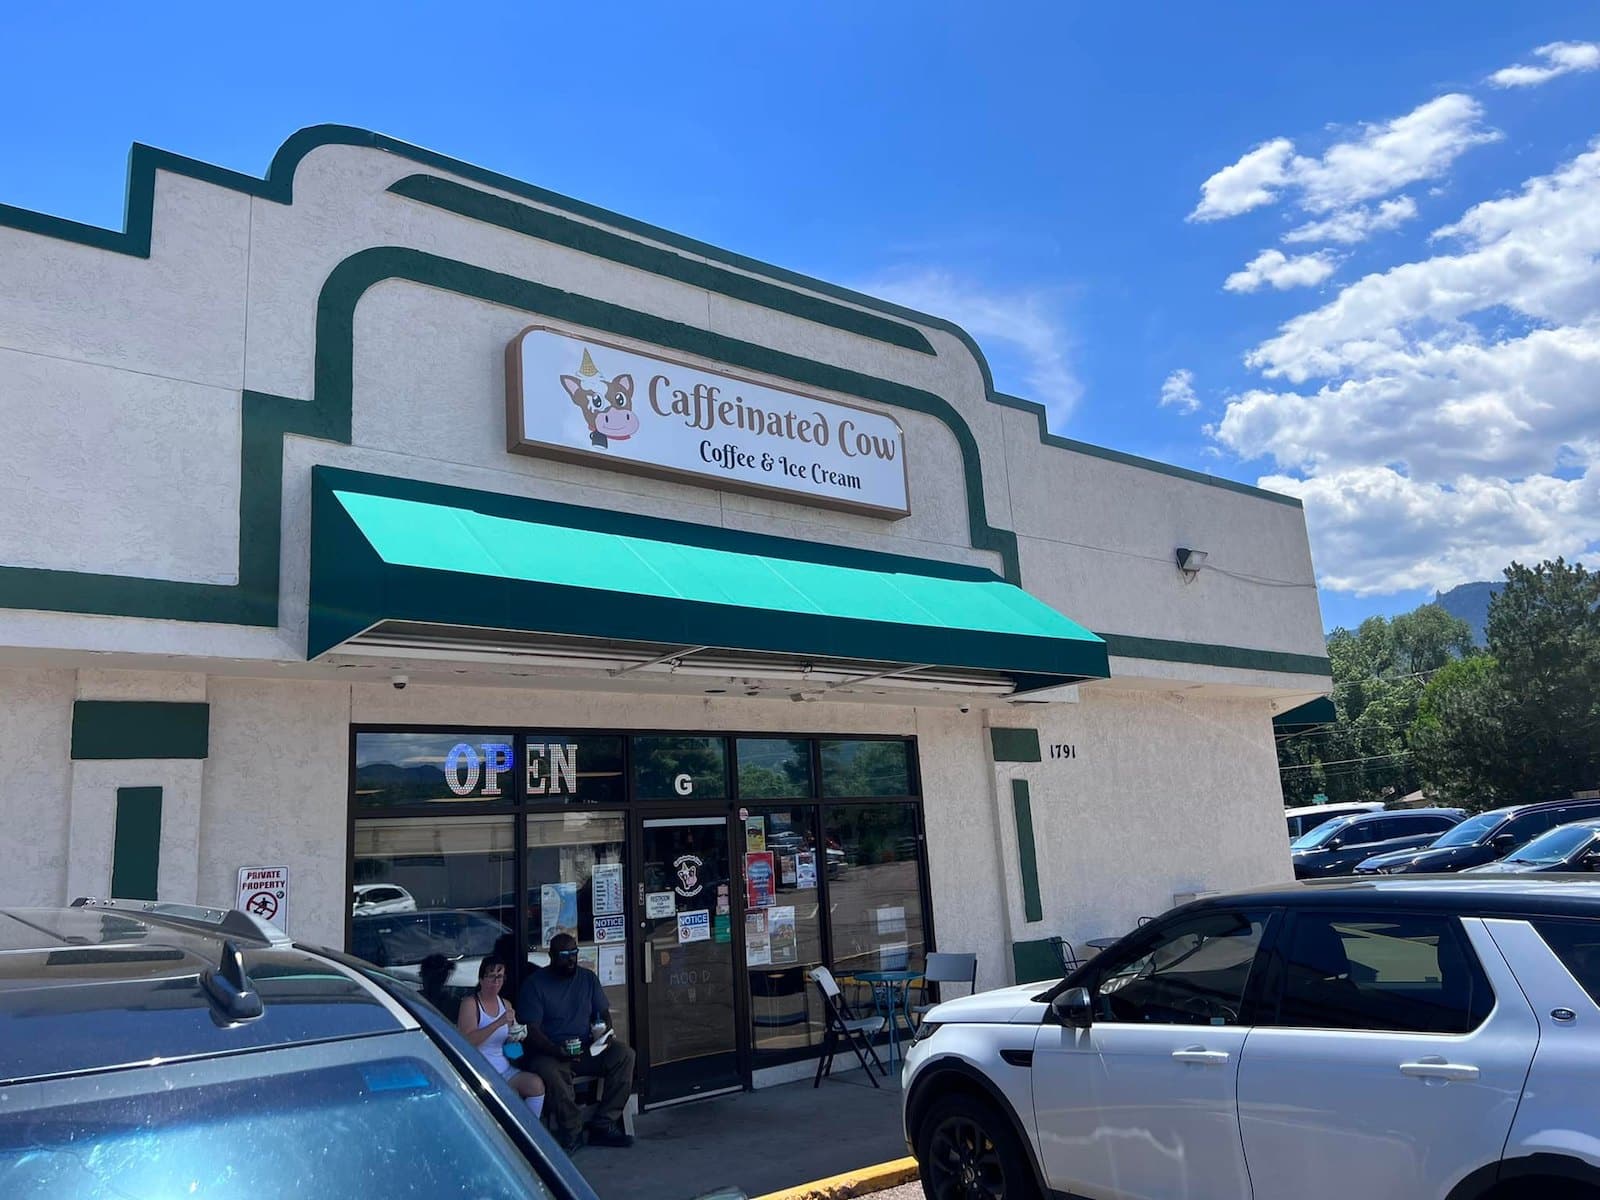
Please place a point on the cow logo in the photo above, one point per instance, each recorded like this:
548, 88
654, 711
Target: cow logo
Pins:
688, 868
606, 404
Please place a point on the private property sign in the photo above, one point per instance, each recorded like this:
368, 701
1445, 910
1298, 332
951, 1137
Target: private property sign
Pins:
588, 401
264, 893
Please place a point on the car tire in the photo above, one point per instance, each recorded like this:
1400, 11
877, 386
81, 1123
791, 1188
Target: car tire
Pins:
967, 1149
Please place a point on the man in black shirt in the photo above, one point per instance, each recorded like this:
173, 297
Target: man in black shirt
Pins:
564, 1006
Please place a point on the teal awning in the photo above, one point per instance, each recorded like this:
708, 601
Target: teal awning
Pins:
391, 551
1306, 716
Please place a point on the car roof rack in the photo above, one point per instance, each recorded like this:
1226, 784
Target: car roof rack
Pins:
223, 922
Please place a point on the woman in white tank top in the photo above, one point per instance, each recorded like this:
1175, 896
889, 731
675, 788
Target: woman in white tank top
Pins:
485, 1019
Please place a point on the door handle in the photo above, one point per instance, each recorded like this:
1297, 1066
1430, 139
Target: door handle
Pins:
1433, 1067
649, 960
1199, 1054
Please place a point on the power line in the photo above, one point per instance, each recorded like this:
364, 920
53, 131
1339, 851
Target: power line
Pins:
1339, 762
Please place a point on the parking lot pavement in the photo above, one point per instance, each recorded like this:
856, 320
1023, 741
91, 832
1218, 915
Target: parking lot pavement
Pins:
763, 1141
906, 1191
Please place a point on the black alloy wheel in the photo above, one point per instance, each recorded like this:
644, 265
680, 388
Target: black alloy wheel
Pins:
968, 1151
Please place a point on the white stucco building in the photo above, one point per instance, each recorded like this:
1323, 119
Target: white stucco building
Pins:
743, 624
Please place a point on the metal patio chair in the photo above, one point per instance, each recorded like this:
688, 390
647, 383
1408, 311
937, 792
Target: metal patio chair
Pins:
946, 968
843, 1025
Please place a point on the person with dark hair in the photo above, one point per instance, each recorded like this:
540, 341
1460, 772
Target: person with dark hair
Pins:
570, 1033
488, 1022
435, 972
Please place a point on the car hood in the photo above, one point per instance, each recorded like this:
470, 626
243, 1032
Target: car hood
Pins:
1012, 1005
1515, 868
1422, 857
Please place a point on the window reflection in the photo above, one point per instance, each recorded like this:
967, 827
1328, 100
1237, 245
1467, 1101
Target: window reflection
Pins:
774, 768
866, 768
875, 891
783, 938
679, 768
396, 769
433, 885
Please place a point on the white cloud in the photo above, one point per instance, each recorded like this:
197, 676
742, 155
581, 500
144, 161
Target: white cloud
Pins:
1249, 183
1355, 224
1273, 267
1560, 58
1377, 531
1177, 391
1532, 253
1022, 325
1420, 145
1450, 422
1379, 159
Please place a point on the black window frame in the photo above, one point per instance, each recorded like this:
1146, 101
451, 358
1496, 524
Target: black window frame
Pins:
1150, 935
1275, 979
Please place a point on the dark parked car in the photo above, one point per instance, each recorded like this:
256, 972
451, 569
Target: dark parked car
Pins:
166, 1050
1335, 847
1482, 838
1574, 847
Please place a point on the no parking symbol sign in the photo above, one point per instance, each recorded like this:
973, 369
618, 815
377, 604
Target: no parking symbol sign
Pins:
264, 893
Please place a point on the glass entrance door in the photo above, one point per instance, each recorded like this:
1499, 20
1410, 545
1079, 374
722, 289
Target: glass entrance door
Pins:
690, 984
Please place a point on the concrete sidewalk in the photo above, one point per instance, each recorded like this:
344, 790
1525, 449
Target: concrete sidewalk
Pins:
761, 1141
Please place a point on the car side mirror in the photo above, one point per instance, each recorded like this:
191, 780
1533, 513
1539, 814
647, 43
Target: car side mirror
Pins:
1335, 844
1074, 1008
1504, 842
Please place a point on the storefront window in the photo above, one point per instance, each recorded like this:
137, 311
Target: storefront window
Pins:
874, 887
679, 768
398, 769
774, 768
573, 769
433, 886
866, 768
577, 885
783, 925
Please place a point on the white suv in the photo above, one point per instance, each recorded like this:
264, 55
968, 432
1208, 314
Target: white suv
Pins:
1385, 1039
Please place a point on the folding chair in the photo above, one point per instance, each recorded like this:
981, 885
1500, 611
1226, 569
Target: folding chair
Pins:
947, 968
843, 1024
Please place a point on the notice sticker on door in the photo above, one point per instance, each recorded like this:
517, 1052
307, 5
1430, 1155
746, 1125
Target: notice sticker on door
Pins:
694, 926
610, 929
658, 906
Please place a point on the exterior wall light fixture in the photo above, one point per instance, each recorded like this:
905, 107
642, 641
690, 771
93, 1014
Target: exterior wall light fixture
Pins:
1190, 562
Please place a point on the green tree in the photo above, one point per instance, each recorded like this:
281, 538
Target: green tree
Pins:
1379, 673
1458, 733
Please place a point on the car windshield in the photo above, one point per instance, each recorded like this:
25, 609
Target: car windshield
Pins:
1322, 833
372, 1117
1554, 847
1470, 831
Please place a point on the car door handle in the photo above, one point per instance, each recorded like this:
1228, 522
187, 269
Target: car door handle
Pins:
1437, 1068
1199, 1054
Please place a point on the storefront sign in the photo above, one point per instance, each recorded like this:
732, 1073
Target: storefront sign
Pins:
694, 926
610, 929
264, 893
760, 881
658, 906
558, 911
605, 881
588, 401
687, 867
757, 947
805, 869
464, 765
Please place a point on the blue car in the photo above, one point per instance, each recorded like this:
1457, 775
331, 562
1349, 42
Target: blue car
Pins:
1483, 838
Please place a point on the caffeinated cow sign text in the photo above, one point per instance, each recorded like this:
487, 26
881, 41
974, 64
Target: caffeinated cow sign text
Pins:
584, 400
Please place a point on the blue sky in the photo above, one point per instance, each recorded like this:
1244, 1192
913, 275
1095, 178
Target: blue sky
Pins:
1235, 207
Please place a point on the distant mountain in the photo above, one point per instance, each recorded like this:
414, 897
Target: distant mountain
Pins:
1470, 602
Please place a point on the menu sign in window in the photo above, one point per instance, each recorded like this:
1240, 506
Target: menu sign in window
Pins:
585, 400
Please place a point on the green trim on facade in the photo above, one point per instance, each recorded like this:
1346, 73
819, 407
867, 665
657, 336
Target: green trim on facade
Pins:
136, 847
1208, 654
1014, 745
140, 729
1027, 856
268, 419
450, 196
